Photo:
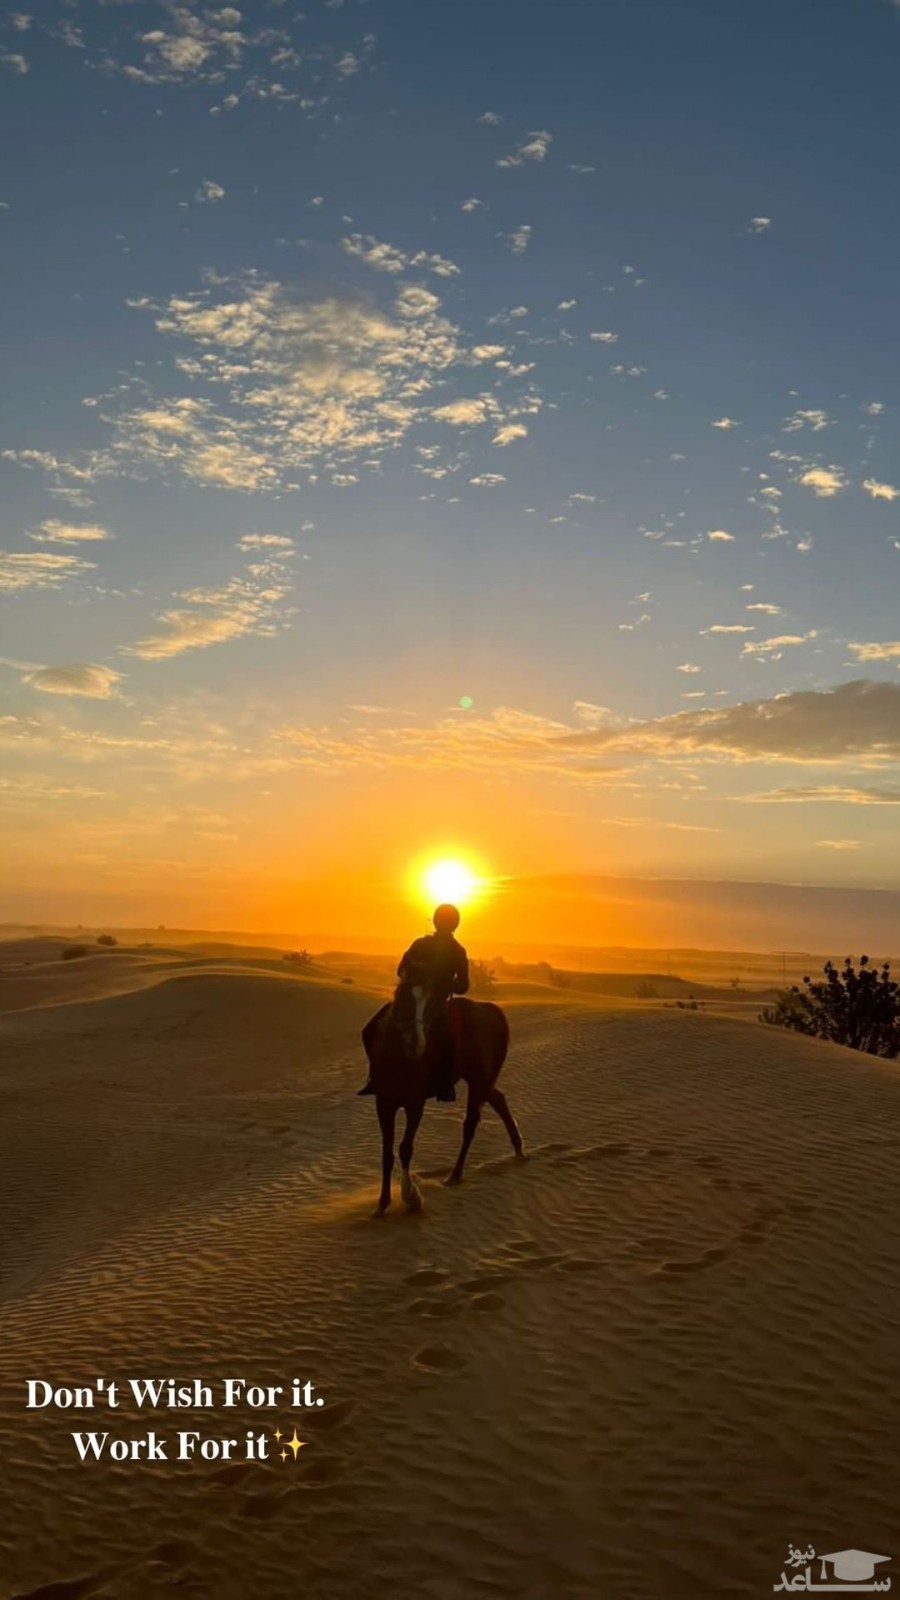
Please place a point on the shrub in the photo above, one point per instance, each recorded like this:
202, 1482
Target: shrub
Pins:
858, 1007
74, 952
299, 958
107, 940
481, 977
645, 990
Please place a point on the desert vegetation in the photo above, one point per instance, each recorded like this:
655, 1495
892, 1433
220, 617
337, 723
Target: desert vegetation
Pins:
858, 1006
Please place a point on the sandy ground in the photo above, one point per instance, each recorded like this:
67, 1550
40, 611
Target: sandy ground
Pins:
638, 1365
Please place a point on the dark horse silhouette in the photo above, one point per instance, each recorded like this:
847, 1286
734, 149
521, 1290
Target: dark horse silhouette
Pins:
401, 1067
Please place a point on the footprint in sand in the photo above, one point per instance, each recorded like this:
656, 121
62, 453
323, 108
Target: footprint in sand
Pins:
438, 1358
699, 1264
433, 1308
487, 1302
426, 1278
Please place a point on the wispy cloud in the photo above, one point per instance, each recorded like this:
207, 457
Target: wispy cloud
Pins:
55, 532
39, 569
534, 148
248, 604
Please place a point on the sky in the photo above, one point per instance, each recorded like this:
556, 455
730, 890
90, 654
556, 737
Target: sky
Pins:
447, 430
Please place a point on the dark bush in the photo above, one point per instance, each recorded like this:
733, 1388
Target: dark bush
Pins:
857, 1007
107, 940
74, 952
481, 977
299, 958
645, 990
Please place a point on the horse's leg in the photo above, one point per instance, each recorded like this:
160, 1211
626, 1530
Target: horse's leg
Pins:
472, 1119
497, 1101
410, 1192
387, 1116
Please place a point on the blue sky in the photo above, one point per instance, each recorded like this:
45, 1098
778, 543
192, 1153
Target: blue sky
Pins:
369, 357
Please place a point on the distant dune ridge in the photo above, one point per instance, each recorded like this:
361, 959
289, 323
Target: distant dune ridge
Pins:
638, 1365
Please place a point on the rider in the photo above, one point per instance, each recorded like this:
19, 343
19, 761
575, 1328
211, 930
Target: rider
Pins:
438, 963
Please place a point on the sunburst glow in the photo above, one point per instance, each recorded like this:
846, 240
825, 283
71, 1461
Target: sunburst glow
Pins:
449, 880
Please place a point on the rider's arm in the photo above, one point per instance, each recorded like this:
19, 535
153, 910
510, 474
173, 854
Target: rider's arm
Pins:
461, 980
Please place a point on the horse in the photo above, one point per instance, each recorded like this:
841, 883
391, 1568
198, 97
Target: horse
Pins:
400, 1076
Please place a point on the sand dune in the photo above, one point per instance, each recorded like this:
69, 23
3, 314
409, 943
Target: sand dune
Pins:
637, 1365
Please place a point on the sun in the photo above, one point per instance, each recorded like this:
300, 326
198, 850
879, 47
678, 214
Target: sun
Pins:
449, 879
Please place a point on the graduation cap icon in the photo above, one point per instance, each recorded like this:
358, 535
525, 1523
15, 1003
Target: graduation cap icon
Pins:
854, 1566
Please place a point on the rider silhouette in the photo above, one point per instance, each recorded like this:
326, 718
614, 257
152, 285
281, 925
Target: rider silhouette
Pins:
437, 963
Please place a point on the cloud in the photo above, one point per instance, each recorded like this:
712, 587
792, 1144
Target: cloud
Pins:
472, 204
381, 257
509, 432
604, 337
827, 794
283, 385
246, 604
534, 148
877, 652
725, 423
488, 480
83, 678
824, 481
856, 720
784, 641
720, 536
838, 844
729, 627
55, 532
465, 413
209, 193
265, 541
880, 491
688, 666
763, 605
13, 63
519, 239
816, 420
39, 570
759, 224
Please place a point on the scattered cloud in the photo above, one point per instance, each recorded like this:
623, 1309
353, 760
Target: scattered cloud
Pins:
815, 420
877, 652
784, 641
209, 193
880, 491
39, 569
720, 536
52, 531
604, 337
472, 204
519, 239
247, 604
838, 844
724, 423
760, 224
509, 432
534, 148
13, 63
824, 481
83, 679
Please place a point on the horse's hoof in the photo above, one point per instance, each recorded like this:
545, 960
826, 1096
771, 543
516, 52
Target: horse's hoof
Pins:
414, 1201
521, 1155
453, 1181
379, 1211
